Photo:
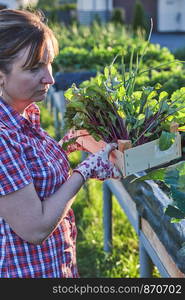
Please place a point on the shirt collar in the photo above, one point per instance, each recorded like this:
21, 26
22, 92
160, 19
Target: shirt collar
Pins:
11, 118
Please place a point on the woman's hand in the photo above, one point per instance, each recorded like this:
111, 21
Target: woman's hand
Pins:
98, 165
70, 138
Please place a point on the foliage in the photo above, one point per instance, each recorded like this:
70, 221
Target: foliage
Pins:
95, 58
180, 53
118, 15
93, 47
170, 80
46, 4
139, 18
122, 112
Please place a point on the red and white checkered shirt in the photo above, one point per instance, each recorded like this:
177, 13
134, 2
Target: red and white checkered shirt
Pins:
28, 154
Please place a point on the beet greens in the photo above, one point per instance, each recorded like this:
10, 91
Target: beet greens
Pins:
109, 108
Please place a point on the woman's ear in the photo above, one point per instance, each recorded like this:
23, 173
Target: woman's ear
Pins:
1, 78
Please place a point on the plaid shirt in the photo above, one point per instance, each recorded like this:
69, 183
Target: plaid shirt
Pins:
28, 154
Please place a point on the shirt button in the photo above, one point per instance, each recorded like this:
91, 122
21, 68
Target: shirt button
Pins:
60, 160
49, 163
44, 142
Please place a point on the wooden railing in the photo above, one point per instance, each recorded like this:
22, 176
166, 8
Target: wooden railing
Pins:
56, 104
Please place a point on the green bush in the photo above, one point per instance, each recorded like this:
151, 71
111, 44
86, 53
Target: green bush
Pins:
180, 54
93, 47
139, 17
170, 80
118, 16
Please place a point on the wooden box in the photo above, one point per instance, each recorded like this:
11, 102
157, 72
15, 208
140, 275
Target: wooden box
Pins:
149, 155
132, 160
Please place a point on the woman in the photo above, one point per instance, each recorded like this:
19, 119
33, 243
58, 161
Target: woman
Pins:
37, 226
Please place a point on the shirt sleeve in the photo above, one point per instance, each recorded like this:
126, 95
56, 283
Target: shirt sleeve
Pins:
14, 173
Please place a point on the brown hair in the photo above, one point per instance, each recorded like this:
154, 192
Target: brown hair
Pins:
20, 29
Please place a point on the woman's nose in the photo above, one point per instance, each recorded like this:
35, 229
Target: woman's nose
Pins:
48, 78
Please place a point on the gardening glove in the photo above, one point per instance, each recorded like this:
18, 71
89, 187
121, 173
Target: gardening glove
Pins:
99, 166
70, 135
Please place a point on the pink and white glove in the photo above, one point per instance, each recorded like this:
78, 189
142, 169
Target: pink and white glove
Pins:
73, 146
99, 166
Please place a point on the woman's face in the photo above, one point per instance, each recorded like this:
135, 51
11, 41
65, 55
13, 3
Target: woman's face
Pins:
22, 87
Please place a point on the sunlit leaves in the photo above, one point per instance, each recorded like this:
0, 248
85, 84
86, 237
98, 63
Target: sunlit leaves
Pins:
110, 101
166, 140
103, 101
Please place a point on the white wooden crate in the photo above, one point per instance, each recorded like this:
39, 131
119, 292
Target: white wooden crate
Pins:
136, 159
149, 155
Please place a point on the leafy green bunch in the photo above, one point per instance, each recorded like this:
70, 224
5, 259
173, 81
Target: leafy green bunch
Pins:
109, 108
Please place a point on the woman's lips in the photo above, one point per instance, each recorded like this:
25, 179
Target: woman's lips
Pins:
42, 92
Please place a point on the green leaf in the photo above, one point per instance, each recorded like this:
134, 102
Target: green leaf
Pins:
69, 142
113, 70
166, 140
174, 212
175, 220
99, 80
69, 94
179, 198
151, 95
163, 95
158, 86
164, 107
121, 92
158, 174
171, 177
148, 134
106, 72
77, 105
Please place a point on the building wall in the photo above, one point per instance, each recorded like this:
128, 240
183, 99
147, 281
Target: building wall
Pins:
87, 11
150, 7
94, 5
171, 15
9, 3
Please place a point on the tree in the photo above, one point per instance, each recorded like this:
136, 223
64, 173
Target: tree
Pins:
118, 16
139, 17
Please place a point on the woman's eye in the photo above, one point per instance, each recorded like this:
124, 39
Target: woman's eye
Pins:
34, 69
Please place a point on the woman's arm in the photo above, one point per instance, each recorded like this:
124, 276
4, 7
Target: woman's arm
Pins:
34, 220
